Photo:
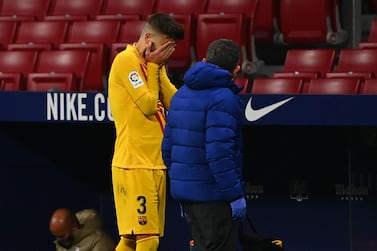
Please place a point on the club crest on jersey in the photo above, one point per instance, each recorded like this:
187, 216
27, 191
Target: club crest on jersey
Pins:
135, 79
142, 220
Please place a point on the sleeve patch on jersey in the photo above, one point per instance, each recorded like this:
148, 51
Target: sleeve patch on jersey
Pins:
135, 79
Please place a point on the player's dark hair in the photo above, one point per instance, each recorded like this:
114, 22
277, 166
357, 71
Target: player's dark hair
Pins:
224, 53
167, 25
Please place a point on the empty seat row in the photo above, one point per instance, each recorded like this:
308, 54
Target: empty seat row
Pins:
66, 70
307, 64
103, 9
244, 21
304, 68
96, 37
76, 9
54, 33
71, 70
269, 18
314, 63
310, 22
114, 35
335, 86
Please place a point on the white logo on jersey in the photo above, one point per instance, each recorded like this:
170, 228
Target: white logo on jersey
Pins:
135, 79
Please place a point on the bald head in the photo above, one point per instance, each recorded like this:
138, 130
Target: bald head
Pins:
62, 223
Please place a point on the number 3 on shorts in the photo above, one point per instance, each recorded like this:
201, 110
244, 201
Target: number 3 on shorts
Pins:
143, 201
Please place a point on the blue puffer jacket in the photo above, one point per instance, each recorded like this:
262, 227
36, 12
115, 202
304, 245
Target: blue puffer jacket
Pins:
202, 144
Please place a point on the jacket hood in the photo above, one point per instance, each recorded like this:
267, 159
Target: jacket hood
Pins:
204, 75
89, 218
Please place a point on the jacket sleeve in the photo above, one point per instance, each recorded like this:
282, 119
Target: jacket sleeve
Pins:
105, 243
223, 130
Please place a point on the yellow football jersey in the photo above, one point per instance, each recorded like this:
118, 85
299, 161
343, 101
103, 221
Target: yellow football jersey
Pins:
138, 94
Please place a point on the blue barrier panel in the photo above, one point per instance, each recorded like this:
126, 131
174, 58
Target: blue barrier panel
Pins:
91, 107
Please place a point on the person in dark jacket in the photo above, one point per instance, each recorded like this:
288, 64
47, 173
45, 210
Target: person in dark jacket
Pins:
202, 148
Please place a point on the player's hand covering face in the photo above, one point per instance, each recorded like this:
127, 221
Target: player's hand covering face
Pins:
159, 49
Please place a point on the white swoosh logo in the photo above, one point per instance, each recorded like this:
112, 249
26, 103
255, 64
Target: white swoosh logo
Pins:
252, 114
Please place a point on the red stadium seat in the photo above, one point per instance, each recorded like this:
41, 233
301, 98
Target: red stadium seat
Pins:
360, 75
119, 8
7, 32
266, 27
315, 62
67, 18
248, 9
11, 82
96, 37
193, 7
97, 64
369, 86
121, 18
28, 47
129, 31
356, 62
276, 86
17, 18
308, 22
215, 26
304, 75
17, 61
40, 32
367, 45
334, 86
74, 9
51, 82
24, 9
105, 32
61, 68
14, 68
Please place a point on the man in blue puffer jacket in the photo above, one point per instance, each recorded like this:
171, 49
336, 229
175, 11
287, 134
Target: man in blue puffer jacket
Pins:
202, 148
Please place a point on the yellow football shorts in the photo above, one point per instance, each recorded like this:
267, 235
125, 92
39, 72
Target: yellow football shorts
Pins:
140, 200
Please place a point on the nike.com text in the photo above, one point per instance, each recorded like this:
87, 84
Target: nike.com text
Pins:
77, 107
